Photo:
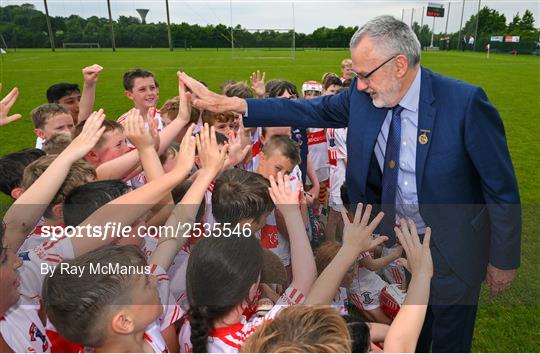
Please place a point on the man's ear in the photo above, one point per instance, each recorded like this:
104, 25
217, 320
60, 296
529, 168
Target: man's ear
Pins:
122, 323
39, 133
402, 65
128, 94
58, 211
17, 192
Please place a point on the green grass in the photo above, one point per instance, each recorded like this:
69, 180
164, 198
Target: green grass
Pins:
506, 324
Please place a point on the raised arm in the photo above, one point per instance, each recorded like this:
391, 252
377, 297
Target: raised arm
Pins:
128, 208
185, 212
24, 214
88, 97
304, 270
405, 329
357, 238
324, 112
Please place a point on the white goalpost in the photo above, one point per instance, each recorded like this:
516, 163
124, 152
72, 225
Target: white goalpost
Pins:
263, 43
72, 45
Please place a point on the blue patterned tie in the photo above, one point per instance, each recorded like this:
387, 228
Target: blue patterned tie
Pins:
390, 175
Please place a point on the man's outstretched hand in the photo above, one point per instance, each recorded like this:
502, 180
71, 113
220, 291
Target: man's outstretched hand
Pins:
203, 98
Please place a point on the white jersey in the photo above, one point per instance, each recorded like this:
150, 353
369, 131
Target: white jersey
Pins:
340, 302
39, 143
21, 328
318, 152
366, 288
337, 155
231, 338
269, 235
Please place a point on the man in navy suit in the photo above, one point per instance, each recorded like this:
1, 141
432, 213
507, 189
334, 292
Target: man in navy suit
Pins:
424, 147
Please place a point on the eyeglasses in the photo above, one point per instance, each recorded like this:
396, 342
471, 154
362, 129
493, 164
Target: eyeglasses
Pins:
365, 78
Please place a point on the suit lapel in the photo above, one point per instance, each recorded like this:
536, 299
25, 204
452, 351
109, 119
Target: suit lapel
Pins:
426, 121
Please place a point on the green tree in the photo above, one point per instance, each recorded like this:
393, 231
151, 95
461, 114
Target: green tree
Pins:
491, 23
527, 21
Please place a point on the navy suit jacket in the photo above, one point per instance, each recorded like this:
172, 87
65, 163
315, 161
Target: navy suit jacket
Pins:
467, 189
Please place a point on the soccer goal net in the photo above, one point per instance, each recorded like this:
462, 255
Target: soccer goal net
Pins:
80, 45
257, 43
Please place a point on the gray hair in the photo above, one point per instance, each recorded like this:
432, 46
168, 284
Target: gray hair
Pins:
391, 36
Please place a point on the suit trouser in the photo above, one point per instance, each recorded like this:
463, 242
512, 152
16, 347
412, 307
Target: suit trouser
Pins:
449, 323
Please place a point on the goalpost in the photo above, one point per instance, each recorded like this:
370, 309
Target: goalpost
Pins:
80, 45
258, 43
263, 43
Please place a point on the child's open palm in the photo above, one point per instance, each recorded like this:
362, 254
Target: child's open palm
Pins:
88, 137
358, 235
282, 194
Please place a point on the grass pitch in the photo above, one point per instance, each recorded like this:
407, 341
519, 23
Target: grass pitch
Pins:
506, 324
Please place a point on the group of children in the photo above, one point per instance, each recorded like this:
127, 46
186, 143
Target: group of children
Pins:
180, 230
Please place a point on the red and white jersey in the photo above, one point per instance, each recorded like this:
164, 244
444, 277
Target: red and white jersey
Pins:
337, 145
153, 112
231, 338
34, 238
22, 329
366, 287
152, 336
269, 235
318, 151
256, 147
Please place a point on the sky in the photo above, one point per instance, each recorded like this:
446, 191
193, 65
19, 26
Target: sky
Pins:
302, 15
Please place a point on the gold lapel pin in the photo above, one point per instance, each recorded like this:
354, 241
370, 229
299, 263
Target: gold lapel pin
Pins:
423, 138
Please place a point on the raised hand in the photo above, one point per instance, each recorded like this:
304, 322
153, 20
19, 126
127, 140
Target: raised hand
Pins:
91, 74
419, 260
186, 153
282, 194
257, 83
203, 98
88, 137
358, 235
237, 151
153, 128
6, 104
136, 132
211, 155
184, 107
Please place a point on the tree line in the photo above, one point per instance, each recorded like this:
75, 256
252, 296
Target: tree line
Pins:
22, 26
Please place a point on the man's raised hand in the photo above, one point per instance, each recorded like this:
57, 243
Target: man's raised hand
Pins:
358, 235
203, 98
6, 104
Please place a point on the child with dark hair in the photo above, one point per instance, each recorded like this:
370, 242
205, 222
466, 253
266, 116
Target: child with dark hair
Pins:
12, 168
69, 95
331, 84
223, 279
142, 88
